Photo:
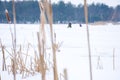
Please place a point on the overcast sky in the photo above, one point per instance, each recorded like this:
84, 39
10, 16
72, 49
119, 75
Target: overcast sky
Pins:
108, 2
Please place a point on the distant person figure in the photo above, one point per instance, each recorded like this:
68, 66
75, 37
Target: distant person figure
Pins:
70, 25
80, 25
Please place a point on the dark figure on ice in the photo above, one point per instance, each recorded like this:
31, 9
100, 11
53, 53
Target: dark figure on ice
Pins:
80, 25
70, 25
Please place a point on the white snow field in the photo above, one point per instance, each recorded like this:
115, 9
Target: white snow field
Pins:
73, 52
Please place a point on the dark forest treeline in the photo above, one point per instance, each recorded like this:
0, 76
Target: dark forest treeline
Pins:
28, 11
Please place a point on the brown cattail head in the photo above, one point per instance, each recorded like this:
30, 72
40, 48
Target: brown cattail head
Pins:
7, 16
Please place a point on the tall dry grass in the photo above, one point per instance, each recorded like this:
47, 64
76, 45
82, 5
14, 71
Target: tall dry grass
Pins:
99, 63
46, 9
113, 58
4, 68
65, 74
14, 41
88, 38
38, 63
41, 42
13, 35
50, 20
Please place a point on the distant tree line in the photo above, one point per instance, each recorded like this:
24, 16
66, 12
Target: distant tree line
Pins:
28, 11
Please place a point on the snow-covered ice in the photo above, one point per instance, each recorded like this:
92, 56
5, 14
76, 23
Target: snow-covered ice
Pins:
73, 52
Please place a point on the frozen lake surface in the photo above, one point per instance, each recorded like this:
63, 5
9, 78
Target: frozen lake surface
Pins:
73, 52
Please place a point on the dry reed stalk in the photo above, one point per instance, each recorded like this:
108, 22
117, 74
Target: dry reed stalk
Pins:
14, 40
99, 63
26, 71
31, 67
57, 45
113, 58
42, 38
42, 41
42, 29
54, 47
20, 62
38, 60
41, 63
4, 61
88, 39
26, 54
65, 74
37, 65
39, 44
43, 70
46, 8
14, 17
9, 21
50, 20
12, 66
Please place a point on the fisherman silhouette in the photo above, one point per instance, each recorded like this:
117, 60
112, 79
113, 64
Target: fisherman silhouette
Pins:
80, 25
70, 25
